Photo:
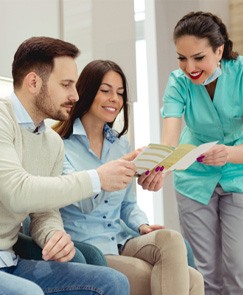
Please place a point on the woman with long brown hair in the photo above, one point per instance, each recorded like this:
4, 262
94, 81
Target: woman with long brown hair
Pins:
153, 258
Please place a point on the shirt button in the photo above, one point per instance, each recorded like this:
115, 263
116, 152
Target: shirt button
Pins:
106, 201
113, 238
109, 224
104, 217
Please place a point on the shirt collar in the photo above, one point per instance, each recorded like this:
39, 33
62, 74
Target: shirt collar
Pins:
22, 116
78, 128
109, 133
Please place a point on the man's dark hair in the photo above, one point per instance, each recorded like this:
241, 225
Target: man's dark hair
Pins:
37, 54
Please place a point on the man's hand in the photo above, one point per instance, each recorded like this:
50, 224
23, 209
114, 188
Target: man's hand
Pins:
145, 228
132, 155
152, 181
59, 247
116, 175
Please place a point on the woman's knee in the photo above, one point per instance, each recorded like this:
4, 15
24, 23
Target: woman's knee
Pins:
170, 239
136, 270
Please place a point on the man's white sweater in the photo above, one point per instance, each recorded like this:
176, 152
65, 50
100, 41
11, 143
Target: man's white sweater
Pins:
30, 181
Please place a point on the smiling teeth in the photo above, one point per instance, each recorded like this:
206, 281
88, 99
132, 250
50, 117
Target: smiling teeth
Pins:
195, 74
110, 109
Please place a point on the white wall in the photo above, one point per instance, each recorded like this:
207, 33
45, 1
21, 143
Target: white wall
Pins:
103, 29
97, 27
21, 19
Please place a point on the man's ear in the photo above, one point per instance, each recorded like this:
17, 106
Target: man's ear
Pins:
33, 82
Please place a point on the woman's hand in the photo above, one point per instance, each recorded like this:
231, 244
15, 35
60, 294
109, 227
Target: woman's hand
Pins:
145, 228
152, 181
216, 156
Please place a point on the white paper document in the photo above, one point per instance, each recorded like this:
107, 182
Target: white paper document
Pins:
179, 158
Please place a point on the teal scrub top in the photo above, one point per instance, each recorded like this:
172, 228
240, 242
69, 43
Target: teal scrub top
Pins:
206, 120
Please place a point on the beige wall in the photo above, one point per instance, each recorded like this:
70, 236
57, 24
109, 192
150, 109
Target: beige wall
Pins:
236, 24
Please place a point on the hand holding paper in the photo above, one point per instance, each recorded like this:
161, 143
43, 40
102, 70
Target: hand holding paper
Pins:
179, 158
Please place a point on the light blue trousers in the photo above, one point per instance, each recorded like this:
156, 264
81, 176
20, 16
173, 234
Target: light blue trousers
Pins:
215, 232
12, 285
66, 278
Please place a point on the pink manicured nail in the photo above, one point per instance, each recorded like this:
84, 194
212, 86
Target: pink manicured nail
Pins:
200, 159
162, 168
157, 169
147, 172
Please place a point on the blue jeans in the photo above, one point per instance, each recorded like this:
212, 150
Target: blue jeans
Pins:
71, 278
10, 285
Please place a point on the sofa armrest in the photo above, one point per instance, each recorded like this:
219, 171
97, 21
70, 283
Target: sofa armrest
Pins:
26, 248
92, 254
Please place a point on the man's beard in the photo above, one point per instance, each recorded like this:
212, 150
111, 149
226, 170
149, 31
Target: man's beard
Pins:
45, 106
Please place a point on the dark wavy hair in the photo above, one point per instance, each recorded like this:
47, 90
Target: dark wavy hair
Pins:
87, 86
206, 25
37, 54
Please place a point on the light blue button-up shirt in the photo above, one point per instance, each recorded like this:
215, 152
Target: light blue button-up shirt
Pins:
22, 116
206, 120
98, 220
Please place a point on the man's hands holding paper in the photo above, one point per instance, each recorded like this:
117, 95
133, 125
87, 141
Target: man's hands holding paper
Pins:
149, 180
117, 174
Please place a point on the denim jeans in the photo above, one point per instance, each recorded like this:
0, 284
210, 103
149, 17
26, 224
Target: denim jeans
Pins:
10, 285
71, 278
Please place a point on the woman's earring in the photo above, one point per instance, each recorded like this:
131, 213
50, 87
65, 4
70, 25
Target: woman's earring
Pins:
218, 64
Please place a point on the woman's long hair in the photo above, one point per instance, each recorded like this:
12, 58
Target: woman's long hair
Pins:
87, 86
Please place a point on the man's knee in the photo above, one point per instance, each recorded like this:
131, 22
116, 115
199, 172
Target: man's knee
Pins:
117, 281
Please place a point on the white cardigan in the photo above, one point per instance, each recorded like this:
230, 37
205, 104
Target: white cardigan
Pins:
30, 181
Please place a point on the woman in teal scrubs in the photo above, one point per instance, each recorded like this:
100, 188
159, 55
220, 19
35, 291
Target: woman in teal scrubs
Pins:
207, 90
